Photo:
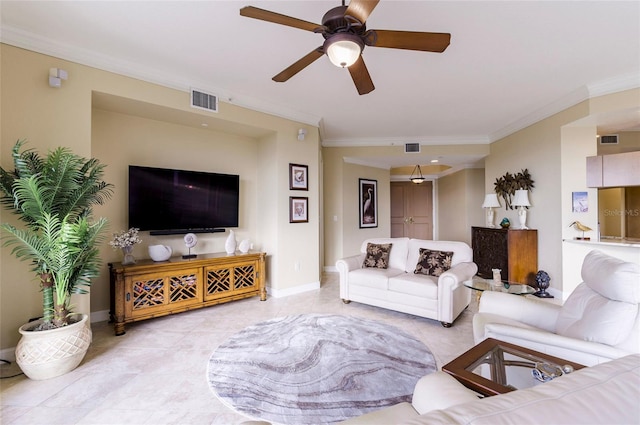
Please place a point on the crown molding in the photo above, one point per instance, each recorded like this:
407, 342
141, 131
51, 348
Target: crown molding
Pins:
614, 85
400, 141
28, 41
600, 88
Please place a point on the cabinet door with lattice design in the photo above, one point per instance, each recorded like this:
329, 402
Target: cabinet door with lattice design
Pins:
221, 282
148, 293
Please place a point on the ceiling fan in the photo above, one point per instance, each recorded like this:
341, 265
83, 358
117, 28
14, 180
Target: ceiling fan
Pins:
345, 33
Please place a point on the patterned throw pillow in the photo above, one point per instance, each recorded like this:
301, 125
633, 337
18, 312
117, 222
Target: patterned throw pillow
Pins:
377, 255
433, 263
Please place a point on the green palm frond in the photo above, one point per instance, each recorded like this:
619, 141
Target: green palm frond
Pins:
54, 196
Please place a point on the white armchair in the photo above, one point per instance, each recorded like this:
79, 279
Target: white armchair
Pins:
600, 321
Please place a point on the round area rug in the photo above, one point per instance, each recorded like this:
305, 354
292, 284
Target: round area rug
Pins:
317, 369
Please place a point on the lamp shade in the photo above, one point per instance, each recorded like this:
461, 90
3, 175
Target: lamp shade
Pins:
343, 49
491, 201
521, 198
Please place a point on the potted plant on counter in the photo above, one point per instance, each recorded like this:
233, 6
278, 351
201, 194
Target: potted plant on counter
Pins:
53, 197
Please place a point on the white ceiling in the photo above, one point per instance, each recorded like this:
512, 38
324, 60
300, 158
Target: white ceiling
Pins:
509, 64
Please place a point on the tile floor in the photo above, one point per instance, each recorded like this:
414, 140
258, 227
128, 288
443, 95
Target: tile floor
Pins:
156, 372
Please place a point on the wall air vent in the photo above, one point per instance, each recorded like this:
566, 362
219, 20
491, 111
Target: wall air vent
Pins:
412, 148
609, 139
204, 100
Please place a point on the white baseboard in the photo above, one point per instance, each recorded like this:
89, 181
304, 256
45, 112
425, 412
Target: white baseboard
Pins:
279, 293
330, 269
99, 316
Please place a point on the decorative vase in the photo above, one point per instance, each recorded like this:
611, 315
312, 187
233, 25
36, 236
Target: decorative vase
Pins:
505, 223
160, 252
51, 353
230, 244
244, 246
127, 251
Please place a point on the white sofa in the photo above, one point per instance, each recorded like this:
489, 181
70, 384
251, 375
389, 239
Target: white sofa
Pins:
604, 394
397, 288
598, 322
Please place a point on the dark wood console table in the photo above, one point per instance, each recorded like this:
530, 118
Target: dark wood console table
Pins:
148, 289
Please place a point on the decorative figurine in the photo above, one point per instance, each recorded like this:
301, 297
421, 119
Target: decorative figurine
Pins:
542, 280
505, 223
581, 227
190, 240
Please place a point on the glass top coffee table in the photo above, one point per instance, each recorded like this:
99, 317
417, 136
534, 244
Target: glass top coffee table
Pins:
480, 284
495, 367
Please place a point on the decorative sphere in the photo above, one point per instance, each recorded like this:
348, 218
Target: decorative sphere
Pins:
505, 223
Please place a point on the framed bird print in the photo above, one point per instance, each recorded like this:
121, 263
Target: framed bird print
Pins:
368, 200
298, 177
298, 210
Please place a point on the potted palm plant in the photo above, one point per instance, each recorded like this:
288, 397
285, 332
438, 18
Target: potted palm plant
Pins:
53, 198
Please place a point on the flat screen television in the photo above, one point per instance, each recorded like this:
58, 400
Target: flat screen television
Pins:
167, 201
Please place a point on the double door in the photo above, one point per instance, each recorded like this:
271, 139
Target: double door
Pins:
412, 210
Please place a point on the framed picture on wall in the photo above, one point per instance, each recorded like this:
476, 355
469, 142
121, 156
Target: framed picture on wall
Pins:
579, 202
368, 200
298, 209
298, 177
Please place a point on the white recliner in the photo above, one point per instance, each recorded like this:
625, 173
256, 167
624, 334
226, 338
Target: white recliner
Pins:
599, 321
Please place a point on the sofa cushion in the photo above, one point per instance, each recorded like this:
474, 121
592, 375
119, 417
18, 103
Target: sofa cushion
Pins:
415, 284
433, 263
372, 277
398, 254
462, 252
589, 316
611, 277
377, 255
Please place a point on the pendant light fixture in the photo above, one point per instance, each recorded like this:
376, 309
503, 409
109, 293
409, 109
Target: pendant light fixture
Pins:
416, 176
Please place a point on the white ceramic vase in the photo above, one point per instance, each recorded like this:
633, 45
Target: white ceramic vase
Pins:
244, 246
47, 354
230, 244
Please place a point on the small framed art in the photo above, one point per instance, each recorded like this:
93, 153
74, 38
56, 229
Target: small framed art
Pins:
298, 209
368, 200
579, 202
298, 177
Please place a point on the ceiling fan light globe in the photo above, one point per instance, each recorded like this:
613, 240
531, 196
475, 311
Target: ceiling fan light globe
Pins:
343, 50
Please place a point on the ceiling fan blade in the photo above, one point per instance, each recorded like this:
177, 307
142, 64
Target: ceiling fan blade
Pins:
298, 66
277, 18
361, 9
361, 78
411, 40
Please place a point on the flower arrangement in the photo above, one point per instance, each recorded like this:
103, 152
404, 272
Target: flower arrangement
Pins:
126, 238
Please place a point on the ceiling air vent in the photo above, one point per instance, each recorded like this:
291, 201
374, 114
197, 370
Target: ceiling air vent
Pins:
204, 100
412, 148
610, 139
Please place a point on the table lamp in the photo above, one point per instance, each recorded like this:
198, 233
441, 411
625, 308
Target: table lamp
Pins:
521, 200
490, 202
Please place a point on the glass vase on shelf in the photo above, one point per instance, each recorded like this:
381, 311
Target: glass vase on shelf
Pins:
128, 259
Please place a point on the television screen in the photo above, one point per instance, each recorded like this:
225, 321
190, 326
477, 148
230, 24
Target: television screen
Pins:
179, 201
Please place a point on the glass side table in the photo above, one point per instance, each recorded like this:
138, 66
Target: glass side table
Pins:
495, 367
480, 285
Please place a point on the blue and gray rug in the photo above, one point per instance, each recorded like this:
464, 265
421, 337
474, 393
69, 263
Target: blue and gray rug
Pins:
317, 369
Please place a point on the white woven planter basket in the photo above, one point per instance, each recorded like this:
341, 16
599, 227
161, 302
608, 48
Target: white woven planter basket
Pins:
47, 354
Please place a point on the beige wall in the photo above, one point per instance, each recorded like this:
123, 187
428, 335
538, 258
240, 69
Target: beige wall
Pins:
538, 149
342, 168
459, 204
153, 125
628, 141
579, 141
